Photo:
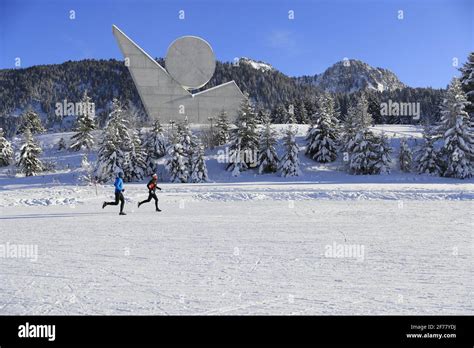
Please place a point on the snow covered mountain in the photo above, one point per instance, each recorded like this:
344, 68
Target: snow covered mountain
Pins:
256, 64
351, 75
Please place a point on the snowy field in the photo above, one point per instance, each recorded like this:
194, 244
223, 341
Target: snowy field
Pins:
326, 243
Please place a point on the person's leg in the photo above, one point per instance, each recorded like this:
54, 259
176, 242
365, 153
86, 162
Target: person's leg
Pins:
146, 200
116, 202
122, 201
156, 200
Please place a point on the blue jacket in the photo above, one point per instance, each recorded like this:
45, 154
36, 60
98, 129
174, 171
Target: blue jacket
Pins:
118, 184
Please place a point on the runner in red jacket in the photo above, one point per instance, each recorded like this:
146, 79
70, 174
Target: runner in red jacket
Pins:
151, 192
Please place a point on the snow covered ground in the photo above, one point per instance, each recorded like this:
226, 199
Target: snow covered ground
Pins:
325, 243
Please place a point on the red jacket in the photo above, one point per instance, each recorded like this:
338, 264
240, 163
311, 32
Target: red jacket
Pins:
152, 185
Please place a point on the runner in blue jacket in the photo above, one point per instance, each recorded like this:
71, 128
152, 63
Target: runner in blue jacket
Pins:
118, 194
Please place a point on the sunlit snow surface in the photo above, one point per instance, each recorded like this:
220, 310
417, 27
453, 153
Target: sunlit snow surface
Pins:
248, 245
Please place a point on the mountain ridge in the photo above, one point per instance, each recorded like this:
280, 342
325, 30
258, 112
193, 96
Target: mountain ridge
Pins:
352, 75
42, 86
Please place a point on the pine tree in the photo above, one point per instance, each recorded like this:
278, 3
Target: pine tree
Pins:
426, 157
458, 137
323, 135
467, 83
361, 160
185, 137
290, 164
155, 145
85, 124
188, 141
236, 159
359, 143
135, 164
263, 117
350, 127
31, 121
119, 119
301, 113
362, 116
87, 176
111, 158
405, 156
112, 150
62, 144
291, 114
6, 150
382, 155
244, 140
223, 128
357, 119
268, 158
177, 164
29, 162
279, 114
199, 171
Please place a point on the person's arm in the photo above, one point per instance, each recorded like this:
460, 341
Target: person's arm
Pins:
148, 186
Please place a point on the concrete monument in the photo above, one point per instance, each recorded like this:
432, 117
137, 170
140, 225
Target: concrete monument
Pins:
165, 93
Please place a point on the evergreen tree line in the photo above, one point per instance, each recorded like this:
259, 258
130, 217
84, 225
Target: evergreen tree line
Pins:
124, 150
40, 87
300, 110
447, 149
251, 148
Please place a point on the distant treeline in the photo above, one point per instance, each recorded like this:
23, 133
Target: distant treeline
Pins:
41, 87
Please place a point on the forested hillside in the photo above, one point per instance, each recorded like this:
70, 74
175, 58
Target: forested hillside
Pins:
41, 87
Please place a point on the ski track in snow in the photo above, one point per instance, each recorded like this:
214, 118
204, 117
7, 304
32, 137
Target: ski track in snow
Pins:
242, 192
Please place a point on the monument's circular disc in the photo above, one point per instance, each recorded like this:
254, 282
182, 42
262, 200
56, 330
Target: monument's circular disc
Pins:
190, 61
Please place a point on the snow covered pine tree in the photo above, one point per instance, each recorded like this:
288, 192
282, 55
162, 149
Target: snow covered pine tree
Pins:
361, 156
135, 164
323, 134
279, 114
291, 117
359, 142
290, 164
357, 118
188, 141
426, 156
467, 83
301, 113
29, 163
223, 129
30, 120
382, 155
85, 124
177, 164
244, 140
405, 156
87, 176
199, 168
267, 158
458, 147
155, 145
111, 157
6, 150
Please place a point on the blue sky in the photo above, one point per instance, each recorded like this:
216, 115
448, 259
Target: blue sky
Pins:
419, 48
